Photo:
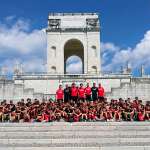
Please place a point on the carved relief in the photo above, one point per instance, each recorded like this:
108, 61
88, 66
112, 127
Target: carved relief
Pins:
92, 23
54, 23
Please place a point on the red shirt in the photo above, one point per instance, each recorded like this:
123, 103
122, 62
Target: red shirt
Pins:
59, 94
74, 91
101, 92
81, 92
45, 117
140, 116
88, 91
76, 118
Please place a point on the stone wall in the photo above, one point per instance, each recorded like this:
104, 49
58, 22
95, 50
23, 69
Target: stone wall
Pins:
39, 87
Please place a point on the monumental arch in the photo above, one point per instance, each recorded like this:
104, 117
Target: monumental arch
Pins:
73, 34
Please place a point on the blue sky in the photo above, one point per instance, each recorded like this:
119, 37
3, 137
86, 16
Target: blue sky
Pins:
125, 31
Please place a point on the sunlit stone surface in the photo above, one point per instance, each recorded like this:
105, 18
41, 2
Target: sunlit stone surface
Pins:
76, 136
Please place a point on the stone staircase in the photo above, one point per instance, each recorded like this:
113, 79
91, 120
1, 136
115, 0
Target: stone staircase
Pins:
75, 136
12, 91
131, 90
119, 92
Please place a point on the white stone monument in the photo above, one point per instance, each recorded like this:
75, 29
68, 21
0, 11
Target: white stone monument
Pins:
71, 34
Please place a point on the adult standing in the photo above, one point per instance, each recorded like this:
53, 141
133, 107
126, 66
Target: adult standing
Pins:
74, 92
94, 90
101, 92
88, 92
81, 92
59, 94
66, 94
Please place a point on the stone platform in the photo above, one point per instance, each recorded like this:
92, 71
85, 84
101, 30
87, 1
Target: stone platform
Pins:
75, 136
45, 85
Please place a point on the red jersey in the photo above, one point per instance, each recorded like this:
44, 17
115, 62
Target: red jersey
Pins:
140, 116
81, 92
91, 116
76, 117
74, 91
88, 91
101, 92
46, 117
59, 94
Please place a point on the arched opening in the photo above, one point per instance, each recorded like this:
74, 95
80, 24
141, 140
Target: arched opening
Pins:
74, 65
74, 48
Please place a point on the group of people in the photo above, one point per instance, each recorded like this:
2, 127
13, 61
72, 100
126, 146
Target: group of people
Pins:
73, 105
80, 93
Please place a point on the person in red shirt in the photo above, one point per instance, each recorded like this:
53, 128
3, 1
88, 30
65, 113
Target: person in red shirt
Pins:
60, 94
81, 92
74, 92
88, 92
141, 115
101, 92
45, 116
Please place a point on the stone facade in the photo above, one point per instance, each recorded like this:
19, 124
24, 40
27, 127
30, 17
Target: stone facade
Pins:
45, 86
73, 34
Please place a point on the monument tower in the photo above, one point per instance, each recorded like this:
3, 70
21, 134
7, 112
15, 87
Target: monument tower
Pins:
71, 34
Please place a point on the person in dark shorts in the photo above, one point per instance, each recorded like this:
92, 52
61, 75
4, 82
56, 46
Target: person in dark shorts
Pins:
94, 90
60, 94
74, 92
88, 92
66, 94
101, 92
81, 92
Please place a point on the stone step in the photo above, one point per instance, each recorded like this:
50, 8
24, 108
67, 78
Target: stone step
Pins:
74, 128
105, 124
71, 137
54, 148
125, 148
76, 134
76, 141
78, 145
80, 148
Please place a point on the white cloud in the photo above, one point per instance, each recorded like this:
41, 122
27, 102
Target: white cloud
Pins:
136, 56
108, 47
17, 38
17, 41
74, 65
74, 68
33, 65
10, 18
29, 65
